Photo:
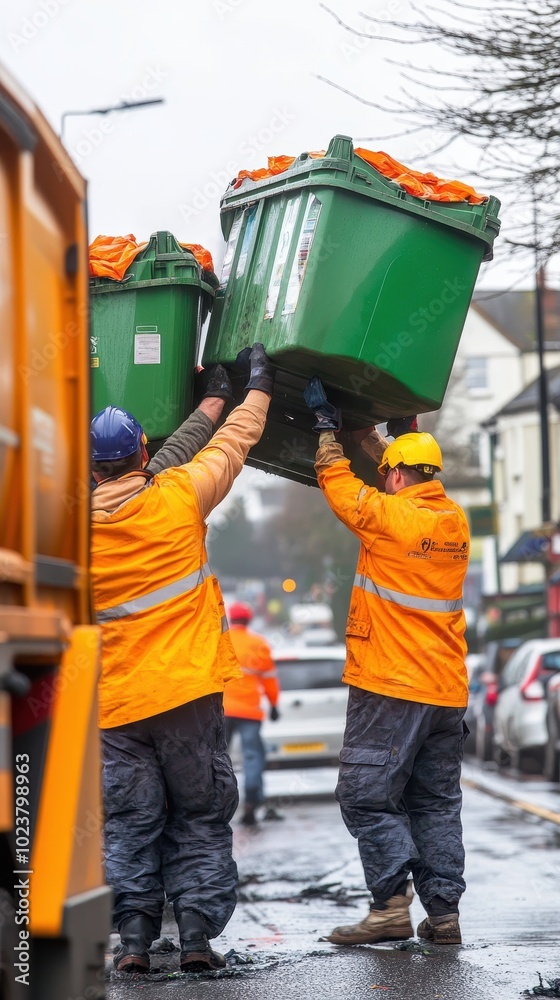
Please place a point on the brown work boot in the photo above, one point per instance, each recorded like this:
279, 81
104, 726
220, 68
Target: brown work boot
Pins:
132, 963
198, 956
137, 933
196, 953
390, 924
441, 930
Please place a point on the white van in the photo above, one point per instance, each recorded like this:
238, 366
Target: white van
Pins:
312, 624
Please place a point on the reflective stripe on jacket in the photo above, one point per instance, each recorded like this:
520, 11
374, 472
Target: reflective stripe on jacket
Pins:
405, 630
242, 698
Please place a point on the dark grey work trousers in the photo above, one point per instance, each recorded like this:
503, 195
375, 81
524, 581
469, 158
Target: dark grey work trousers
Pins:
169, 792
400, 796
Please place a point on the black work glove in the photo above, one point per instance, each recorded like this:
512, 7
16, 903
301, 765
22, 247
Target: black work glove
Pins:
274, 714
261, 369
402, 425
218, 384
328, 416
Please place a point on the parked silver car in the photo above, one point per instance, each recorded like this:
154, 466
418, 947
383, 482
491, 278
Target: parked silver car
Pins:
552, 751
520, 731
312, 707
484, 678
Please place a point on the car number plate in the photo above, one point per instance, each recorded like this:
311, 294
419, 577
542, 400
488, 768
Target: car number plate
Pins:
304, 747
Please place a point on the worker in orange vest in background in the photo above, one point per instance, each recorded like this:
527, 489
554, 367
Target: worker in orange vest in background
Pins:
242, 704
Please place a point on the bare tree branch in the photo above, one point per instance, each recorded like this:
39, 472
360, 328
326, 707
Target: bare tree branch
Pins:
504, 99
362, 100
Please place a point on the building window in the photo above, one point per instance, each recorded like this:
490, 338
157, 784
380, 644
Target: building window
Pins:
476, 373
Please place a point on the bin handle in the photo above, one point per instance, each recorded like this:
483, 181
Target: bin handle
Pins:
161, 243
340, 148
167, 247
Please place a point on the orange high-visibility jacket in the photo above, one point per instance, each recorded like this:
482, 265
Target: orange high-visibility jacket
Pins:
242, 698
164, 632
405, 630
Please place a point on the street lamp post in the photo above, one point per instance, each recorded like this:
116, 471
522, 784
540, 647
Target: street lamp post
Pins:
543, 383
543, 397
123, 106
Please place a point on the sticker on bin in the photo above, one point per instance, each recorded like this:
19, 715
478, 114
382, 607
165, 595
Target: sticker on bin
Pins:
249, 227
301, 257
93, 346
230, 249
147, 346
284, 243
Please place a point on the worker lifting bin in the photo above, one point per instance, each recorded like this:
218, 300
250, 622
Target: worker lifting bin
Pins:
343, 274
145, 334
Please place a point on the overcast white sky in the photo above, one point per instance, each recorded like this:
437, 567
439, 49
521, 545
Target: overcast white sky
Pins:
239, 82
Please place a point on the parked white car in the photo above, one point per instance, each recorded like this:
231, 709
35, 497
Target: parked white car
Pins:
312, 624
520, 731
312, 707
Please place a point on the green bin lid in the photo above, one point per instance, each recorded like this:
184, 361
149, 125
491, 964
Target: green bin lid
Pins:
342, 168
162, 261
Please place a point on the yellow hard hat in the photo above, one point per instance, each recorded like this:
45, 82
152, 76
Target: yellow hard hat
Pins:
419, 450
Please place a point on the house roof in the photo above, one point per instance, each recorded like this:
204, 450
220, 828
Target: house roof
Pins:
528, 398
513, 314
531, 546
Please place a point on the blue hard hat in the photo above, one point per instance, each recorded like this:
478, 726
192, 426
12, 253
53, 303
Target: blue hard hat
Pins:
115, 434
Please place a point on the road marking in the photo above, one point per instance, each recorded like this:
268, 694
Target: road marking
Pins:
548, 814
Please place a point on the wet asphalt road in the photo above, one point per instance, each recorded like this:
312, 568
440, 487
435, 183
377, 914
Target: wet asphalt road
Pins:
301, 877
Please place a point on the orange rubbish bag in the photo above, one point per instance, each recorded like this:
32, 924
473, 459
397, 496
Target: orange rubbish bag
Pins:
203, 256
425, 186
110, 256
276, 165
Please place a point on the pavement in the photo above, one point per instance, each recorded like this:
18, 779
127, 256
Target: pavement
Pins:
530, 793
302, 876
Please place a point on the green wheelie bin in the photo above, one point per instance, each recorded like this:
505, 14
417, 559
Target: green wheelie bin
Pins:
145, 335
343, 274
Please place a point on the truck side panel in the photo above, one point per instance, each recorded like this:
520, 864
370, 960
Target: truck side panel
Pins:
50, 817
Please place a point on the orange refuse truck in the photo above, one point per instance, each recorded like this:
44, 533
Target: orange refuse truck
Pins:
54, 905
